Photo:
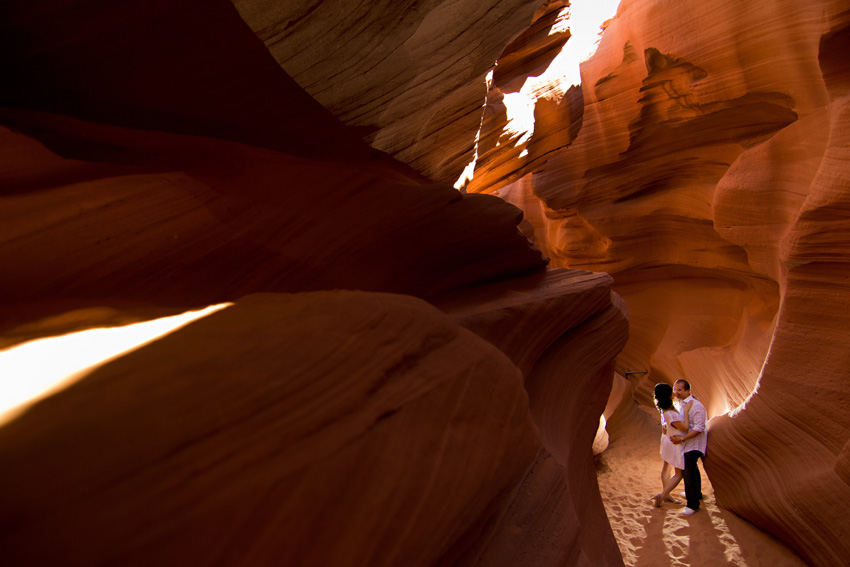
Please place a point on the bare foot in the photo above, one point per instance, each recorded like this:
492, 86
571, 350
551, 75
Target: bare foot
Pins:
671, 499
657, 500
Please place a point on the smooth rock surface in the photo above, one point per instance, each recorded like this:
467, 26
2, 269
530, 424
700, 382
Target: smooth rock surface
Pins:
408, 74
178, 220
564, 331
149, 165
153, 160
332, 428
709, 178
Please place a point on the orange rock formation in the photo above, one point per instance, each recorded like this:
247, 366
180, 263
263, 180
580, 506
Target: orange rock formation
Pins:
334, 428
709, 177
408, 74
556, 513
151, 165
155, 160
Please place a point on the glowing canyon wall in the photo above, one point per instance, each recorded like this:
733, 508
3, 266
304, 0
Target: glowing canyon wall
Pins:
400, 378
407, 74
703, 163
157, 158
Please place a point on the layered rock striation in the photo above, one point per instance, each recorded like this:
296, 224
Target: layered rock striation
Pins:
408, 75
555, 515
798, 414
152, 164
207, 173
708, 177
177, 220
286, 420
343, 428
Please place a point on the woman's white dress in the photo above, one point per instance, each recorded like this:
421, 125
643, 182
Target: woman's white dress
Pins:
669, 452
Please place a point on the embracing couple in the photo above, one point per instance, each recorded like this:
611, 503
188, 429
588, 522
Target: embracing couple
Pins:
682, 444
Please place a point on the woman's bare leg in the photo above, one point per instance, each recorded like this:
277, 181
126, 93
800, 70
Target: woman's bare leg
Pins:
665, 474
671, 483
665, 477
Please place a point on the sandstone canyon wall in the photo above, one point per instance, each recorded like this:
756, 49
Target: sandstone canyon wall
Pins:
160, 156
408, 74
366, 442
703, 163
156, 157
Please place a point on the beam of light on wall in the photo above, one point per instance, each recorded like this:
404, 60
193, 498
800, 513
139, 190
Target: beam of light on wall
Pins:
736, 411
584, 19
34, 370
469, 171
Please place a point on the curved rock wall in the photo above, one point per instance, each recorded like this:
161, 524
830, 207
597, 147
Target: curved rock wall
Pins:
166, 175
555, 516
154, 162
166, 218
337, 428
798, 415
407, 74
708, 176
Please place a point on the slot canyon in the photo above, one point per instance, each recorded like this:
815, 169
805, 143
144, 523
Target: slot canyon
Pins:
424, 262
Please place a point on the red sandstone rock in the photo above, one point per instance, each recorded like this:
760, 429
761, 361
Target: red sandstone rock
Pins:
564, 332
184, 221
213, 174
409, 74
517, 316
590, 330
782, 461
503, 154
332, 428
709, 178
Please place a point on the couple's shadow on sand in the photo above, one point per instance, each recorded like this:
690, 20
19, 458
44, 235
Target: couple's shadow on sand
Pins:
712, 536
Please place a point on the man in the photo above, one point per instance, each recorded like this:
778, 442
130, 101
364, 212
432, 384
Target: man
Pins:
695, 441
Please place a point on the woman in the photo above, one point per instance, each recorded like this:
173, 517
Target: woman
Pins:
672, 423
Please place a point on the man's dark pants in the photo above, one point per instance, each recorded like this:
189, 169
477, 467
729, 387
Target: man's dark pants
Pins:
693, 481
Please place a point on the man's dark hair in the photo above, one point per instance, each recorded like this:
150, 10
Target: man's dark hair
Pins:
686, 383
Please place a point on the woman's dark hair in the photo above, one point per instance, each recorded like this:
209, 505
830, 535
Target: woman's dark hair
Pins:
663, 396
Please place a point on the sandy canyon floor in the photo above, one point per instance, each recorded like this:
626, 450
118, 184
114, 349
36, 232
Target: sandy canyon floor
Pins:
629, 473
